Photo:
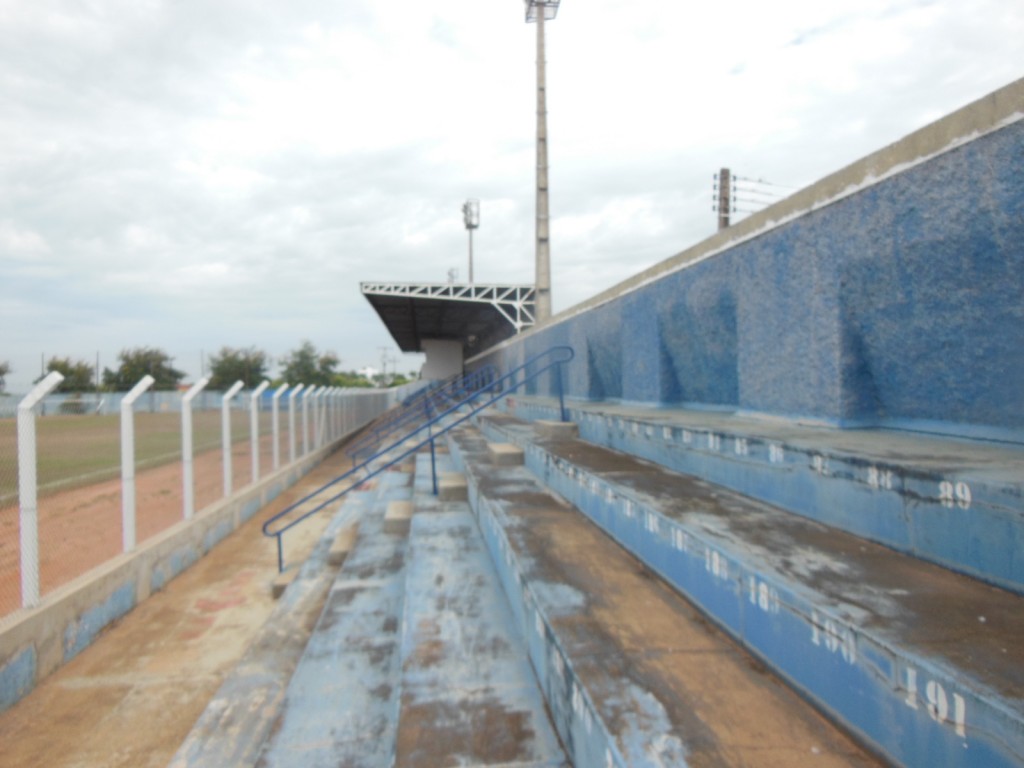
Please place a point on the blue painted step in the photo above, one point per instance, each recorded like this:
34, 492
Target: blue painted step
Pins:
469, 696
239, 717
923, 664
958, 503
632, 674
342, 703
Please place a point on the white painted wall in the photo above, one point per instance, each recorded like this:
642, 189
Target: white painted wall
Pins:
444, 359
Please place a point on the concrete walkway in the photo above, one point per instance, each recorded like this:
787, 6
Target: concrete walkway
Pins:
132, 697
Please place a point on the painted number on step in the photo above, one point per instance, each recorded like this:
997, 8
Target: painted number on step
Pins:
741, 447
714, 442
820, 464
880, 479
834, 637
651, 523
763, 596
937, 702
955, 494
680, 540
776, 453
716, 564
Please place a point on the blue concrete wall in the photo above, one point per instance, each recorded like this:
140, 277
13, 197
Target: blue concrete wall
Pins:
898, 305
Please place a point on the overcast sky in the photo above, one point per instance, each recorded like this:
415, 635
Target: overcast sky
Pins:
193, 174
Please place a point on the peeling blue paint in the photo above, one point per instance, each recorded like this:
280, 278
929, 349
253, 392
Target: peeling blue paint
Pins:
896, 696
250, 508
969, 517
172, 565
896, 306
17, 677
216, 534
79, 634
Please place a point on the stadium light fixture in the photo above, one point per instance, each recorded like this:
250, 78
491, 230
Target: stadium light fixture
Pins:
471, 217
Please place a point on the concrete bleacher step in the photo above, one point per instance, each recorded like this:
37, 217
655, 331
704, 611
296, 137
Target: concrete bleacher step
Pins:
451, 486
342, 545
468, 693
397, 516
340, 704
922, 664
237, 720
955, 502
631, 673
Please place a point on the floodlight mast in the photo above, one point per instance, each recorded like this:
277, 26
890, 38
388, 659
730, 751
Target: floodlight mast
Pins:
471, 216
539, 11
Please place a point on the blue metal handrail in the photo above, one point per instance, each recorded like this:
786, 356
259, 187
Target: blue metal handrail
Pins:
559, 355
419, 406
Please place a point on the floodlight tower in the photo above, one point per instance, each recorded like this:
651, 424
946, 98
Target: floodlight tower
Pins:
540, 11
471, 216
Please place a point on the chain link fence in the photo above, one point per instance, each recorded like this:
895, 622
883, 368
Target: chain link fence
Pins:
10, 551
106, 481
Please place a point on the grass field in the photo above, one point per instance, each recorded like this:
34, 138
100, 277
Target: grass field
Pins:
79, 450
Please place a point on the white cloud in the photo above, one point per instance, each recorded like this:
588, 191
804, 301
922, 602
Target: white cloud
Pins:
22, 244
195, 175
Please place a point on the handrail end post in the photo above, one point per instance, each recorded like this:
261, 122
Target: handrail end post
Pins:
433, 466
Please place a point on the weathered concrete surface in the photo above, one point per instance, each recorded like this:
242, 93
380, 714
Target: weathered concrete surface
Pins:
557, 429
505, 454
342, 545
616, 641
451, 486
397, 516
958, 503
340, 703
34, 642
924, 663
468, 693
130, 698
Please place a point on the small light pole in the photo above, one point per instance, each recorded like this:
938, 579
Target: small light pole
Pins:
540, 11
471, 217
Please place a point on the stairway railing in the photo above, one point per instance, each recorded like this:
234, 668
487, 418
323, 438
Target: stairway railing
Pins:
419, 407
452, 416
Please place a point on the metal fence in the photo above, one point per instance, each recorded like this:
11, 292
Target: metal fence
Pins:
86, 478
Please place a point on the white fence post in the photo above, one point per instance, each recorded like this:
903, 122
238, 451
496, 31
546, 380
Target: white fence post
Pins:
292, 438
28, 491
188, 486
254, 428
335, 394
225, 431
128, 462
318, 417
275, 426
305, 419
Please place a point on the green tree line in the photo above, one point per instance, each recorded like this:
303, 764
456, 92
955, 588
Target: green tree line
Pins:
303, 365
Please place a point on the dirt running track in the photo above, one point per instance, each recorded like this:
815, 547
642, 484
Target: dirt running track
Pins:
81, 528
130, 699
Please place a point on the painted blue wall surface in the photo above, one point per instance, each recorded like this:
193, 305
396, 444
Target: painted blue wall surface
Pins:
899, 305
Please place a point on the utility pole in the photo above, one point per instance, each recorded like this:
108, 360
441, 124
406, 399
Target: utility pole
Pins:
383, 364
539, 11
724, 198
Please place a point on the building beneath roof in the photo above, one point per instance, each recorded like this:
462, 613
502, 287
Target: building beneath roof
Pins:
450, 322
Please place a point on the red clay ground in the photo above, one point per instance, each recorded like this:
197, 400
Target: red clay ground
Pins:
81, 528
129, 700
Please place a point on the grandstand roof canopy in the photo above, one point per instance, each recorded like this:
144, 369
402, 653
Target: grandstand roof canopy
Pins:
477, 315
